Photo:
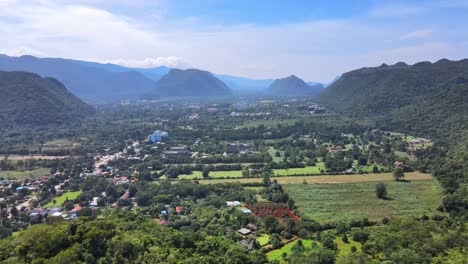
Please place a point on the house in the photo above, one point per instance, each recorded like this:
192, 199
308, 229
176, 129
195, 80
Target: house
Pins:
246, 211
233, 203
179, 209
398, 164
157, 136
244, 231
175, 152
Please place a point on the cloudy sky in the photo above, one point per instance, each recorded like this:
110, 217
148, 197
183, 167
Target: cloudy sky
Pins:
316, 40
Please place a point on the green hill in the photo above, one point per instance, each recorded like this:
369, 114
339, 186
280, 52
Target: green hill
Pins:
190, 82
379, 90
425, 97
30, 100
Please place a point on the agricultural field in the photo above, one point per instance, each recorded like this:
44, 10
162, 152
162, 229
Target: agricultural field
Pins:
22, 175
371, 177
308, 170
62, 198
212, 174
356, 200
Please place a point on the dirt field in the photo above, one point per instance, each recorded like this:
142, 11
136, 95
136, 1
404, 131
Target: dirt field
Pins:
381, 177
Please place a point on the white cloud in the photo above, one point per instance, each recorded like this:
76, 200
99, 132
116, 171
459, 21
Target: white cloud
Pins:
16, 52
316, 50
170, 61
418, 34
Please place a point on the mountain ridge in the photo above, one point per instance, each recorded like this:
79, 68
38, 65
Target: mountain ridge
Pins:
30, 100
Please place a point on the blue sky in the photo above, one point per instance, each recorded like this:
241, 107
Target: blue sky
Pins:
316, 40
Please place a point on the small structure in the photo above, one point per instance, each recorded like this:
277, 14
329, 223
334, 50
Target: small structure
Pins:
244, 231
179, 209
233, 203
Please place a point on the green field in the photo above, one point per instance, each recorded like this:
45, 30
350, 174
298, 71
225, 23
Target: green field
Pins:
62, 198
347, 201
308, 170
212, 174
278, 253
21, 175
272, 152
369, 168
263, 239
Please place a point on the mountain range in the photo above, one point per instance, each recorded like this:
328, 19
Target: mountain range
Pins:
103, 83
28, 99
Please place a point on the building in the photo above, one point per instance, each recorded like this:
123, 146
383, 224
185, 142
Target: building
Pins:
175, 152
157, 136
233, 147
244, 231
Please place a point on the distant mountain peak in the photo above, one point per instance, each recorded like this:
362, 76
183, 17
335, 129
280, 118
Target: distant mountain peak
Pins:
189, 82
293, 86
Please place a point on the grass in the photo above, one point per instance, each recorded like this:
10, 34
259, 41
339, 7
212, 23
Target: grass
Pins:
351, 201
272, 152
371, 177
345, 248
62, 198
369, 168
22, 175
278, 253
212, 174
263, 239
308, 170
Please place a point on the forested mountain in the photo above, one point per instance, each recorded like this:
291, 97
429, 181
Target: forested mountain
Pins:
293, 86
28, 99
377, 91
441, 115
89, 81
190, 82
429, 97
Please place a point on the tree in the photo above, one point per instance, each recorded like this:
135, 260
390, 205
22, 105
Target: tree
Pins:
398, 173
206, 172
245, 172
381, 190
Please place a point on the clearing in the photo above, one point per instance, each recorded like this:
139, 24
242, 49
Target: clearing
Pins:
357, 200
22, 175
62, 198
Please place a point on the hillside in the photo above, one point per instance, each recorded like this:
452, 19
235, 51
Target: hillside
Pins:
293, 86
421, 97
379, 90
189, 82
28, 99
91, 82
